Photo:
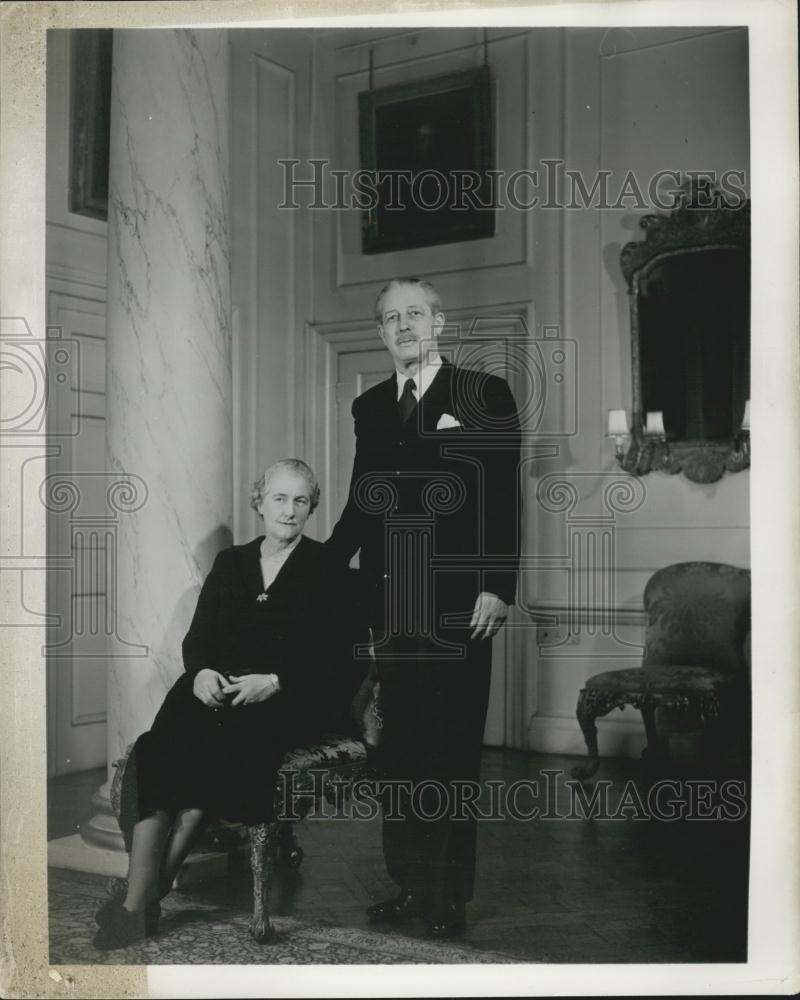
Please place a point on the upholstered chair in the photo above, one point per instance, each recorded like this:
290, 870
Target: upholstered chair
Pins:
696, 657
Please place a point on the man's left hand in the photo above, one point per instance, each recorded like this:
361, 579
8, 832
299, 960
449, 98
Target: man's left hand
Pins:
489, 614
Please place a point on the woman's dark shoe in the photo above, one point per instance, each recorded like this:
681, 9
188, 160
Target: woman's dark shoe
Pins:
446, 922
406, 906
120, 927
102, 916
152, 914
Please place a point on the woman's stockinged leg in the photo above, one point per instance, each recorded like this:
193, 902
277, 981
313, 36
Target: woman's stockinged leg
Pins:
159, 844
158, 849
138, 915
150, 837
188, 823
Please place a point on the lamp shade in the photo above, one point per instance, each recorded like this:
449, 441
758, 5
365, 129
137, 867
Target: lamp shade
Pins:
617, 423
746, 417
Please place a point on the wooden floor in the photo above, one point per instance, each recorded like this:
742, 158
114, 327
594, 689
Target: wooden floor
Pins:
548, 889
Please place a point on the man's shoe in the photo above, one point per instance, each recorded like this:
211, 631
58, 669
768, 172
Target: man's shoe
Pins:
446, 922
406, 906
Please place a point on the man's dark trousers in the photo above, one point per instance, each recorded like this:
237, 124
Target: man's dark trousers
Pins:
434, 713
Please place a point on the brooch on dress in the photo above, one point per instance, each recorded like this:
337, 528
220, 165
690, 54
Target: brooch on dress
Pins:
263, 597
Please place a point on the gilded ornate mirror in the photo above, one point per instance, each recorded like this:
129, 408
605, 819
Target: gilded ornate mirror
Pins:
689, 288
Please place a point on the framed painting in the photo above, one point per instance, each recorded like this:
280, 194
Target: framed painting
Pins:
90, 121
428, 147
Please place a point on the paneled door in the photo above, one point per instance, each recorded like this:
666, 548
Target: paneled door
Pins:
78, 545
356, 372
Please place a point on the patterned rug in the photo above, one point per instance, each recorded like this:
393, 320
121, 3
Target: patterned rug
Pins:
193, 931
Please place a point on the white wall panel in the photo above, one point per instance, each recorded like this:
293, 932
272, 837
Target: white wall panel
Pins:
270, 265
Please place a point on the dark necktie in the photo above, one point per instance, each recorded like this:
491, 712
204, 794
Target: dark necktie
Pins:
407, 401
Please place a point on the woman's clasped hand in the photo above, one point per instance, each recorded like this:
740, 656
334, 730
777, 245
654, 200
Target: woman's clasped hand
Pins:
215, 690
209, 687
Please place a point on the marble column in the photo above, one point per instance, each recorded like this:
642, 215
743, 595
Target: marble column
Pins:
169, 413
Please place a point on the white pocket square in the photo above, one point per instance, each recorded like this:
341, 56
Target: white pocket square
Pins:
446, 422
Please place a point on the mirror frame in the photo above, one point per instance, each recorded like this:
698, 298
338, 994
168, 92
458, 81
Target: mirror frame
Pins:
700, 221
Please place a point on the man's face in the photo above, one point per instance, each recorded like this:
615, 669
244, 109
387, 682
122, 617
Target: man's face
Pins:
408, 327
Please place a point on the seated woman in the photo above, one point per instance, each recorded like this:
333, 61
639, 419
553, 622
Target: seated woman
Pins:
269, 665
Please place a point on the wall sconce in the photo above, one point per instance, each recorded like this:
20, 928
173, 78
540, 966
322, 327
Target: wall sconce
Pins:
643, 449
618, 429
741, 444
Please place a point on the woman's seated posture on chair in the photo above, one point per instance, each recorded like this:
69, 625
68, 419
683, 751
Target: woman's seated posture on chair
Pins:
269, 665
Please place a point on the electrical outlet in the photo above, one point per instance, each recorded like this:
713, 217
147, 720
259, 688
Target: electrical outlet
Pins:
551, 635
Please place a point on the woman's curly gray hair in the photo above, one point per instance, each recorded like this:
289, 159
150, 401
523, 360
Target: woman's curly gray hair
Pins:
260, 486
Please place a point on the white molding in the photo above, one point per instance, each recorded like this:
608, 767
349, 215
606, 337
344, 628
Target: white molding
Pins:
88, 718
74, 854
625, 41
562, 735
323, 342
621, 614
65, 280
521, 684
64, 244
271, 282
501, 265
717, 526
344, 40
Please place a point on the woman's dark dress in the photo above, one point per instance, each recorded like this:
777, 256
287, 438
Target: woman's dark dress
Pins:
225, 760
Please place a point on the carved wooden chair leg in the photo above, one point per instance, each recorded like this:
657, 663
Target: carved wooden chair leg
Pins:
587, 712
654, 747
263, 857
117, 887
289, 850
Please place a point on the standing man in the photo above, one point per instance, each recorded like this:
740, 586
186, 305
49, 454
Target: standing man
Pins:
434, 510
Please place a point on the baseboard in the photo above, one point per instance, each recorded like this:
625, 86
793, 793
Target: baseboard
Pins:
76, 855
562, 735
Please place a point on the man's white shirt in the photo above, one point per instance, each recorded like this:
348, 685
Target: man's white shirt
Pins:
422, 379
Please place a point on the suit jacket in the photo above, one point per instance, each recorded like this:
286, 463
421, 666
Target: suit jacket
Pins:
459, 484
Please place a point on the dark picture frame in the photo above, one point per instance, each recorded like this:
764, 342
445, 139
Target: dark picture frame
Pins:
411, 136
90, 121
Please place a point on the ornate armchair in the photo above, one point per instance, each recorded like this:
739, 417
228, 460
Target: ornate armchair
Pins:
695, 658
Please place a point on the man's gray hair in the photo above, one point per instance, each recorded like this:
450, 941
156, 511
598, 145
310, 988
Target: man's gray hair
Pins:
431, 294
294, 465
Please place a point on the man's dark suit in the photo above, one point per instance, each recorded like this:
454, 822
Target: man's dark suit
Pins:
435, 514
